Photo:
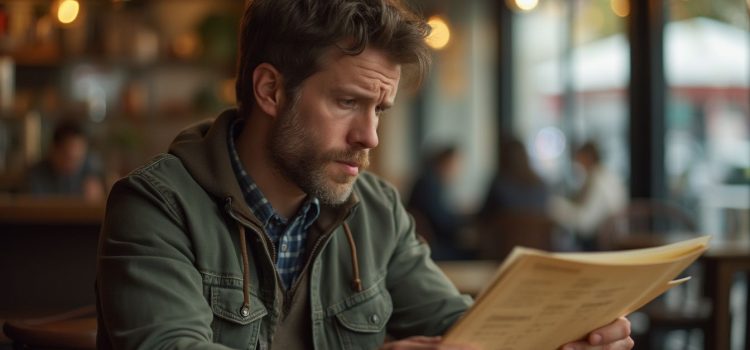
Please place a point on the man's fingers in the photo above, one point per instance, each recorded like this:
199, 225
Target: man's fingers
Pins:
423, 343
614, 336
417, 342
615, 331
623, 344
425, 340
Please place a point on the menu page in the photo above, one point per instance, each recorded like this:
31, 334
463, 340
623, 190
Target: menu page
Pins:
542, 301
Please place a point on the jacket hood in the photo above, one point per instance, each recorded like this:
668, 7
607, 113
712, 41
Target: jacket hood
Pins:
202, 148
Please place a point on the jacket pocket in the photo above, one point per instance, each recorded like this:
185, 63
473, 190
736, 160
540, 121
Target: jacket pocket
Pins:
362, 325
233, 326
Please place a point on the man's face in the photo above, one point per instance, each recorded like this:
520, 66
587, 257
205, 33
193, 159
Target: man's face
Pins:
321, 140
584, 159
68, 155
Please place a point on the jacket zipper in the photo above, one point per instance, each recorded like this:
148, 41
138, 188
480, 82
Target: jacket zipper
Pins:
257, 229
326, 237
313, 254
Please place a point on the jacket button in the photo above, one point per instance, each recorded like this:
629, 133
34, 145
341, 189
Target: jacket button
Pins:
374, 318
245, 311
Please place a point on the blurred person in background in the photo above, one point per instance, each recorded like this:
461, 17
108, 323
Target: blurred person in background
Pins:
515, 209
68, 169
515, 186
261, 228
436, 219
602, 194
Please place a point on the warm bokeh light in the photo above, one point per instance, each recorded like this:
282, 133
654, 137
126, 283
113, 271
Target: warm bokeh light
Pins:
526, 5
186, 45
68, 11
621, 8
440, 35
227, 92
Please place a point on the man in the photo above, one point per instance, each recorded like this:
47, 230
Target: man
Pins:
68, 169
260, 229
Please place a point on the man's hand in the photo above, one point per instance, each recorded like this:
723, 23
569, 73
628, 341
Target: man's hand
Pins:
422, 343
614, 336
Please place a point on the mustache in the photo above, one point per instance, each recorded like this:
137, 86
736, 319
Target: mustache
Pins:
360, 157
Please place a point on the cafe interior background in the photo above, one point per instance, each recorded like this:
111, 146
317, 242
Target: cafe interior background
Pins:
661, 86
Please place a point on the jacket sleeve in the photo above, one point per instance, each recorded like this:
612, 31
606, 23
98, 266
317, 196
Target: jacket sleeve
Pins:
149, 293
425, 302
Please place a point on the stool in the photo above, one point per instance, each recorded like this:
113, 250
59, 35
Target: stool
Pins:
75, 329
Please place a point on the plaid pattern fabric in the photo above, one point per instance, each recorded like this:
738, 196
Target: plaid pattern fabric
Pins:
288, 236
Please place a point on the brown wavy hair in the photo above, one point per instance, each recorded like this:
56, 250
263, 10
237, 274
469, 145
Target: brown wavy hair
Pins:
293, 35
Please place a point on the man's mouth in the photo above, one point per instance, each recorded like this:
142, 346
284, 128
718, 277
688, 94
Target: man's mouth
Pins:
351, 168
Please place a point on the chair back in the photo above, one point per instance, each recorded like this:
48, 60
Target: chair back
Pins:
75, 329
644, 223
501, 231
423, 226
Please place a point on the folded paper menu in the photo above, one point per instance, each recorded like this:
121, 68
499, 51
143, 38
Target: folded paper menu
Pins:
540, 301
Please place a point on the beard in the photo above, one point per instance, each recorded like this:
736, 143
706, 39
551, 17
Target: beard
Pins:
297, 155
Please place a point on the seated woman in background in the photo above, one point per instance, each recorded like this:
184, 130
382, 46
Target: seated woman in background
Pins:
515, 187
515, 208
436, 219
68, 169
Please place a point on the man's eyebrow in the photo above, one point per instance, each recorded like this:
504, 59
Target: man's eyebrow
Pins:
358, 92
354, 90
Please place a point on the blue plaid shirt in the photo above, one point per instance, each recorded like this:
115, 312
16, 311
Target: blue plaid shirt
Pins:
289, 236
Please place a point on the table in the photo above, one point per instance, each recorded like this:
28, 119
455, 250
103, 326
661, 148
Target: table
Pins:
469, 276
47, 254
722, 261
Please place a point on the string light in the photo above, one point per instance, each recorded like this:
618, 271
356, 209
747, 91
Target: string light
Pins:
526, 5
67, 12
621, 8
440, 35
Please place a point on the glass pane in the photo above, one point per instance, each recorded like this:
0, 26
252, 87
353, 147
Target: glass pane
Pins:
707, 61
571, 74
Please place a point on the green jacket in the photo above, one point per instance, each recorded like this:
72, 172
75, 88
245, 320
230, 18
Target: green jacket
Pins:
170, 267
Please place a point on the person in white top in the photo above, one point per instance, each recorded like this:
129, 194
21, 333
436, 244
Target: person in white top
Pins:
602, 195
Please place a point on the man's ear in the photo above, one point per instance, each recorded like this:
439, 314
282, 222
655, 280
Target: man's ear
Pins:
268, 88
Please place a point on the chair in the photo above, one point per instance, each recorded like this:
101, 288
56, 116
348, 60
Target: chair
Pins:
422, 225
75, 329
500, 232
646, 223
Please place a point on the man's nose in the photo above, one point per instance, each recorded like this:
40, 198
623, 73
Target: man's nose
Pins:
365, 131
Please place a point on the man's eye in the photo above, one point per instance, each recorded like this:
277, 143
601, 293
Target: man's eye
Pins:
348, 103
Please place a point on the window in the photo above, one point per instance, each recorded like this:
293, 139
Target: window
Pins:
571, 66
707, 71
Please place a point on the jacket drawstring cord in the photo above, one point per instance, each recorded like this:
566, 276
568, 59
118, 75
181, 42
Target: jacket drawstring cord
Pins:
245, 274
356, 282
